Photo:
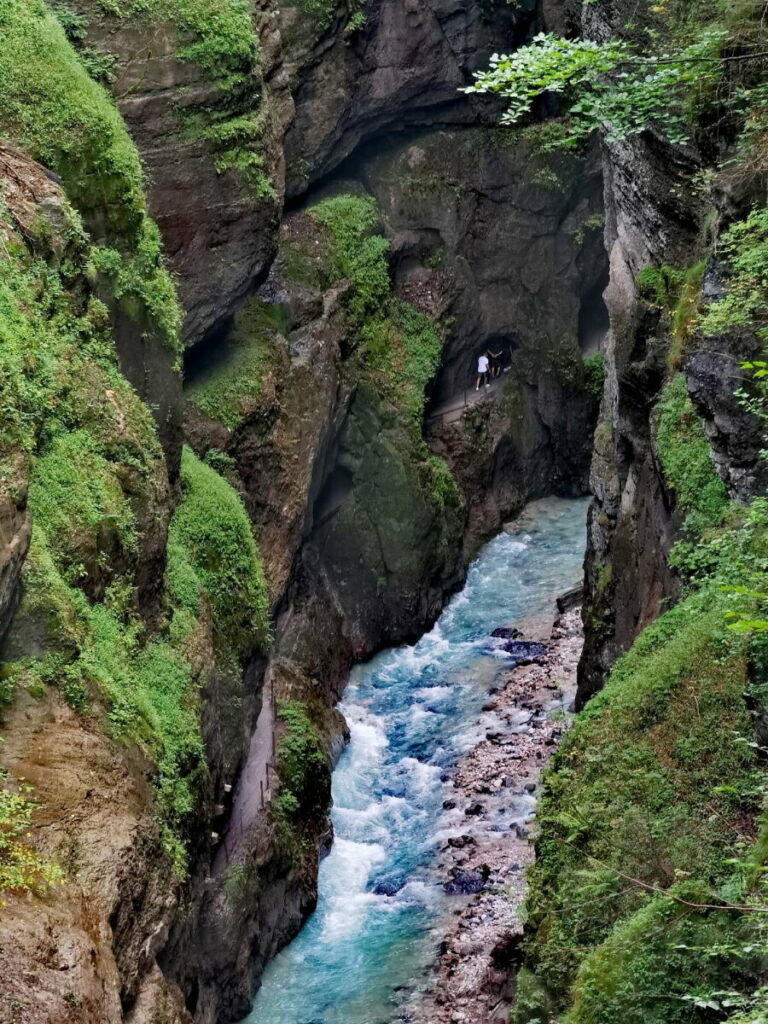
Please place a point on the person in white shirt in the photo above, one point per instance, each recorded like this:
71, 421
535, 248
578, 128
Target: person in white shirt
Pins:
482, 372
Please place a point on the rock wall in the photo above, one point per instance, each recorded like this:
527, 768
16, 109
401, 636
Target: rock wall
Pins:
207, 103
654, 219
143, 605
403, 66
110, 852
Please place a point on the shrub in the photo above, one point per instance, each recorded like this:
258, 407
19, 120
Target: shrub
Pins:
660, 286
304, 777
229, 390
22, 869
358, 255
210, 530
744, 247
594, 375
651, 962
442, 484
400, 344
686, 461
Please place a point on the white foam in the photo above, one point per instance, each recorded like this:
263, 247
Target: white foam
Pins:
433, 693
418, 715
419, 892
346, 872
368, 732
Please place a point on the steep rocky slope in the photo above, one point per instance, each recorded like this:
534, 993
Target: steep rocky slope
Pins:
361, 72
205, 96
662, 242
646, 896
137, 655
119, 649
121, 659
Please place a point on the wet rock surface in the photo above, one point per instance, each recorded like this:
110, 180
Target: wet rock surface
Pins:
483, 862
218, 228
404, 66
504, 245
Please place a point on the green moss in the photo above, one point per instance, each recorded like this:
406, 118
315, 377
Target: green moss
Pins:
548, 179
686, 461
99, 650
403, 350
242, 883
220, 38
59, 363
687, 306
97, 484
677, 293
212, 530
304, 777
79, 503
229, 390
322, 13
51, 107
102, 649
216, 35
653, 783
595, 222
235, 141
744, 247
234, 133
141, 278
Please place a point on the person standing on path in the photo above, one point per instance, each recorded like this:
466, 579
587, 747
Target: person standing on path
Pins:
482, 372
495, 358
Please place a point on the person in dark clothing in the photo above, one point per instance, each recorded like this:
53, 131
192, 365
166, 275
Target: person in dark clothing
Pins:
494, 358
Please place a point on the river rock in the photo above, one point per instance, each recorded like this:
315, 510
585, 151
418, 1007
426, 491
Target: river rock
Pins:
523, 651
506, 633
465, 882
387, 888
459, 842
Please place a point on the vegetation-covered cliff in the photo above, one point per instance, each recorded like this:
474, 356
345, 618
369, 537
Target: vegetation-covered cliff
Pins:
647, 897
160, 602
187, 575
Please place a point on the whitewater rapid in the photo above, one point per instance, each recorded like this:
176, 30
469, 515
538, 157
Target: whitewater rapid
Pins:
412, 711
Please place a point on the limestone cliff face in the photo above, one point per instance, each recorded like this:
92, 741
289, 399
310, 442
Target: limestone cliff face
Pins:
504, 245
209, 127
631, 528
110, 850
403, 66
654, 219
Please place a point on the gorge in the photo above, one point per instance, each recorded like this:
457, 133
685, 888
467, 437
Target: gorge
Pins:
249, 256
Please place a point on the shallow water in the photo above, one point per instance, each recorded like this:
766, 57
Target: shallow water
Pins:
411, 712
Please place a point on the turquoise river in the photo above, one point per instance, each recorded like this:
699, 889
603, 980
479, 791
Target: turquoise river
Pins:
412, 711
